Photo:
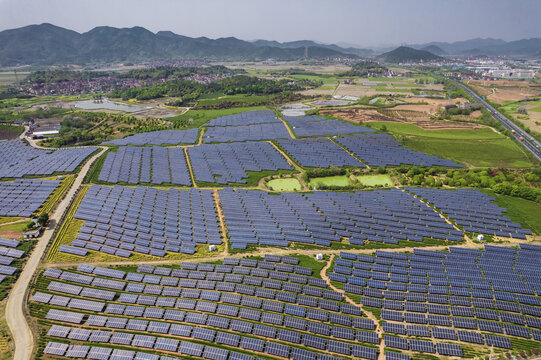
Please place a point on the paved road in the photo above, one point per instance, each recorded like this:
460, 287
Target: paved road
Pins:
16, 303
528, 141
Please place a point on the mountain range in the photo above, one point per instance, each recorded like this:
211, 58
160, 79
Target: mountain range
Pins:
47, 44
488, 46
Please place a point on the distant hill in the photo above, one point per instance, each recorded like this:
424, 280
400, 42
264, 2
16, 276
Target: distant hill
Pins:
436, 50
404, 54
47, 44
310, 43
489, 46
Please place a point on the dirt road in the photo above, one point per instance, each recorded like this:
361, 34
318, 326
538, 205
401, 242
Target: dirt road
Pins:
16, 303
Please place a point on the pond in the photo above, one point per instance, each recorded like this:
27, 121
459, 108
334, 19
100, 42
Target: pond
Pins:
290, 184
107, 105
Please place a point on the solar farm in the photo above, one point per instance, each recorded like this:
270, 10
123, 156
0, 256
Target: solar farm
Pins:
173, 247
19, 159
307, 126
171, 137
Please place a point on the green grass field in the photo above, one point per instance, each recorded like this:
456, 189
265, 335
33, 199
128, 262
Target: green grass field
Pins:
478, 153
480, 148
340, 180
410, 129
525, 212
17, 227
7, 219
290, 184
374, 180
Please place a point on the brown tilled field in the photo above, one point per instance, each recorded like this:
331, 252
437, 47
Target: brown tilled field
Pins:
421, 119
501, 91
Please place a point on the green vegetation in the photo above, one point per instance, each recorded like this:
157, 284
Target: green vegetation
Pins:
242, 100
16, 227
479, 147
189, 91
288, 184
404, 54
525, 212
375, 180
330, 181
57, 195
7, 219
493, 153
365, 69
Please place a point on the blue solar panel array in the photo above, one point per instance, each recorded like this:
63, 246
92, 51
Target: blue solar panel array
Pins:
264, 131
229, 163
383, 150
494, 290
169, 137
155, 165
307, 126
22, 197
19, 159
245, 118
119, 220
474, 210
255, 217
318, 153
162, 300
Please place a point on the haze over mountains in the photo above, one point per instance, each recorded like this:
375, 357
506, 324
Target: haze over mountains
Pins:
46, 44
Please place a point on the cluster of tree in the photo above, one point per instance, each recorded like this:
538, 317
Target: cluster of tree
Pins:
462, 111
155, 73
323, 172
168, 72
454, 91
186, 89
54, 76
294, 71
523, 185
366, 68
271, 100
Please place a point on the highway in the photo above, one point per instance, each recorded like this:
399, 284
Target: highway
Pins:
528, 141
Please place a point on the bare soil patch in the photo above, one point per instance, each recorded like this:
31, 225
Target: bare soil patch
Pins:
421, 119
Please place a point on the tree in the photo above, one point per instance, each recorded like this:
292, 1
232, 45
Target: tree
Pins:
43, 219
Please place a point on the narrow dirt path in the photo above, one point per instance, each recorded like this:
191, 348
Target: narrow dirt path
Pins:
350, 153
293, 164
468, 241
289, 130
16, 303
189, 164
221, 220
14, 222
368, 314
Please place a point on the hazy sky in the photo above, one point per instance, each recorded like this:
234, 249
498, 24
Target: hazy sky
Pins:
366, 23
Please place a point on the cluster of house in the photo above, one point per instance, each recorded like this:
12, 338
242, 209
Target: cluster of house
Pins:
74, 87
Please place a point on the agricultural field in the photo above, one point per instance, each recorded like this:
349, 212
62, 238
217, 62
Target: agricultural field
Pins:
528, 113
503, 92
10, 132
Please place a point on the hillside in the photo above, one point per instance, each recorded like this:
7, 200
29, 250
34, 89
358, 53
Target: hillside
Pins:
488, 46
434, 49
47, 44
405, 54
309, 43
